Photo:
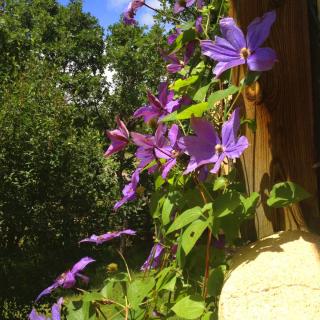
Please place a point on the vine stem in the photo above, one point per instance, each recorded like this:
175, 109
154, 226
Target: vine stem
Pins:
161, 12
125, 262
208, 251
206, 274
127, 309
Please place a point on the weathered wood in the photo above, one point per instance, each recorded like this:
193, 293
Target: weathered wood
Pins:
282, 148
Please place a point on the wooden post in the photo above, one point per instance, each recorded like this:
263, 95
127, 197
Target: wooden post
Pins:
282, 148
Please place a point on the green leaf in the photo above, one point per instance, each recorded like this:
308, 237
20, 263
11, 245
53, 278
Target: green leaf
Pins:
215, 281
166, 211
252, 124
220, 183
200, 95
284, 194
209, 316
192, 234
159, 182
182, 83
226, 203
182, 39
92, 296
187, 112
185, 218
190, 307
138, 290
221, 94
250, 203
80, 310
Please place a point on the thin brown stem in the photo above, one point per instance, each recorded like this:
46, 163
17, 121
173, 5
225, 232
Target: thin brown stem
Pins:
208, 255
161, 12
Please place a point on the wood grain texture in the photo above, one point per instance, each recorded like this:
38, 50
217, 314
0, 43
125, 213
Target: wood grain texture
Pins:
282, 148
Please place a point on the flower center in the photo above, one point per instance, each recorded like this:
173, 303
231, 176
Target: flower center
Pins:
219, 148
182, 2
245, 53
174, 153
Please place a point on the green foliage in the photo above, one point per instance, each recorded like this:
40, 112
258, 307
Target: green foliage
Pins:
190, 307
284, 194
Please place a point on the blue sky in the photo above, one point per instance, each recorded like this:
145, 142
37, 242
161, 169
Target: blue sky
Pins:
109, 11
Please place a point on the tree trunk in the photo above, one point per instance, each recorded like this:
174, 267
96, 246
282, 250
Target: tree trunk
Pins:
282, 148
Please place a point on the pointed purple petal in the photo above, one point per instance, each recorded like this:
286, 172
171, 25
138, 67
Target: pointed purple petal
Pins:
230, 129
47, 291
80, 265
232, 33
235, 151
259, 30
220, 50
174, 67
167, 167
223, 66
36, 316
204, 130
218, 163
84, 278
174, 134
163, 93
56, 310
191, 46
263, 59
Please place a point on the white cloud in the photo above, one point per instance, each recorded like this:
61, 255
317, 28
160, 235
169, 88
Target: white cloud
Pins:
147, 19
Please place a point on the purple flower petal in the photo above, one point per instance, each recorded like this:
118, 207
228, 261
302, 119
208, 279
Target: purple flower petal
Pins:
263, 59
47, 291
107, 236
259, 30
129, 191
56, 310
218, 163
223, 66
232, 33
67, 280
230, 129
154, 258
174, 67
237, 149
167, 167
35, 316
119, 138
220, 50
204, 130
80, 265
198, 25
84, 278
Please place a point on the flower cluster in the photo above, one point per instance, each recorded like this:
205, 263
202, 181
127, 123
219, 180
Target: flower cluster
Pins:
195, 149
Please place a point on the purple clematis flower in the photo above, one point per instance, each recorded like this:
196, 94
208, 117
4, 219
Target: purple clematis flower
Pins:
108, 236
68, 279
154, 259
119, 138
129, 191
231, 146
172, 151
205, 147
55, 312
161, 106
147, 146
130, 12
235, 49
176, 65
172, 37
181, 5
